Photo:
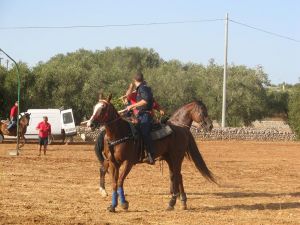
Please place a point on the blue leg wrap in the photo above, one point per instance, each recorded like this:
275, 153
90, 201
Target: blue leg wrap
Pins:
121, 195
114, 201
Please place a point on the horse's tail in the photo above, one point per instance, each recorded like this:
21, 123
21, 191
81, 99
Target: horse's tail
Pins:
99, 146
194, 154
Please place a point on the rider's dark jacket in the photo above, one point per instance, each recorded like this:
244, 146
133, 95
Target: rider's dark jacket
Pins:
144, 92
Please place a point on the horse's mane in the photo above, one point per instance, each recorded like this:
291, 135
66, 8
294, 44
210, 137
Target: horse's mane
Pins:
200, 103
197, 102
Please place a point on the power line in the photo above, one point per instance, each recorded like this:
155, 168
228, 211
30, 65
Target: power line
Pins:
109, 25
265, 31
147, 24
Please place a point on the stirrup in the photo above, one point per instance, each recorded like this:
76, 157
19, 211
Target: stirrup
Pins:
149, 160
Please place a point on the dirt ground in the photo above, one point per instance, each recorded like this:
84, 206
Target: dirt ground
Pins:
259, 184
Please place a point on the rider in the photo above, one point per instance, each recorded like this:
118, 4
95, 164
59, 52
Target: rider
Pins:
13, 116
144, 106
130, 99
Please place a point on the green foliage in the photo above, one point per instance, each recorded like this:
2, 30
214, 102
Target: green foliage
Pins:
294, 109
208, 87
75, 80
277, 101
9, 88
246, 97
172, 86
3, 101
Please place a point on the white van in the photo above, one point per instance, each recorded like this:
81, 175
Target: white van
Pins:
62, 122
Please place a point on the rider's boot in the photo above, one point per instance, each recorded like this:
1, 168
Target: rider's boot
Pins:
8, 128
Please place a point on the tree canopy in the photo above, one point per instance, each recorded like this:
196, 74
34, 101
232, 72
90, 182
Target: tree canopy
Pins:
75, 79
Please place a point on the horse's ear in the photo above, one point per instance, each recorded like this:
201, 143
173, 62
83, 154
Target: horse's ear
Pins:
109, 97
101, 96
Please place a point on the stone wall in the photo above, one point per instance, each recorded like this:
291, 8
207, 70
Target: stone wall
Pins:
229, 133
86, 134
245, 133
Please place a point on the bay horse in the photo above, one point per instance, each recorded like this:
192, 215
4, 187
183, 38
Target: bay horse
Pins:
184, 116
23, 124
125, 151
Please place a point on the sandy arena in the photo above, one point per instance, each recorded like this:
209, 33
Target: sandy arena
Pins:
259, 184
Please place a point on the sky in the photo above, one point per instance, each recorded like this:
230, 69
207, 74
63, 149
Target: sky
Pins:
187, 42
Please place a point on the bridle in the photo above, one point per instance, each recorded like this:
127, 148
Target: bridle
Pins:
202, 124
192, 126
112, 143
110, 122
106, 115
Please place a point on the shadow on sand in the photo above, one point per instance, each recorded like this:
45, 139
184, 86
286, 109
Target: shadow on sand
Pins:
245, 194
268, 206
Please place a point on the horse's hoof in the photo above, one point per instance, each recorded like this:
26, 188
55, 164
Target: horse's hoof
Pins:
170, 208
183, 206
111, 209
125, 205
103, 192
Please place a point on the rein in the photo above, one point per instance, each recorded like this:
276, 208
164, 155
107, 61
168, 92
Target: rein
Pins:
112, 121
111, 144
132, 135
181, 124
192, 126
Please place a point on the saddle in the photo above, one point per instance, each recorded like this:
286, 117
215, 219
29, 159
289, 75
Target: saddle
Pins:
5, 122
159, 129
158, 132
10, 127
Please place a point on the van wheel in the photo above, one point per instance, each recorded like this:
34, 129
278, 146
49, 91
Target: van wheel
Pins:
1, 138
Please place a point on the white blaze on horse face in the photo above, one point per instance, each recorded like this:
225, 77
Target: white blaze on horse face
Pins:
97, 109
96, 112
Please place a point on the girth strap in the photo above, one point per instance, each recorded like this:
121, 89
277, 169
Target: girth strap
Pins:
133, 135
113, 143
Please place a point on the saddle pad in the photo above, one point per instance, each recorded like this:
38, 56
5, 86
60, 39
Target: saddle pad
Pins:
161, 133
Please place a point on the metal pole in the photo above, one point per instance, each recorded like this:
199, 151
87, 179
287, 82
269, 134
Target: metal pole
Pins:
225, 73
19, 84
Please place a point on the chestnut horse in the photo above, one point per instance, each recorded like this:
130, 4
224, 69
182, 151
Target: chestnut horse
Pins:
195, 111
23, 123
125, 151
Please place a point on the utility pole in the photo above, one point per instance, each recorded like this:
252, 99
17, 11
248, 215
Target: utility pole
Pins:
225, 73
7, 61
0, 60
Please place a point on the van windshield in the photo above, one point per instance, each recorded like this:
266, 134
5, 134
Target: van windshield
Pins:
67, 118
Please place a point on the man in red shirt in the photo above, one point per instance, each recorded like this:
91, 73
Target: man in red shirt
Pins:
13, 116
44, 129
